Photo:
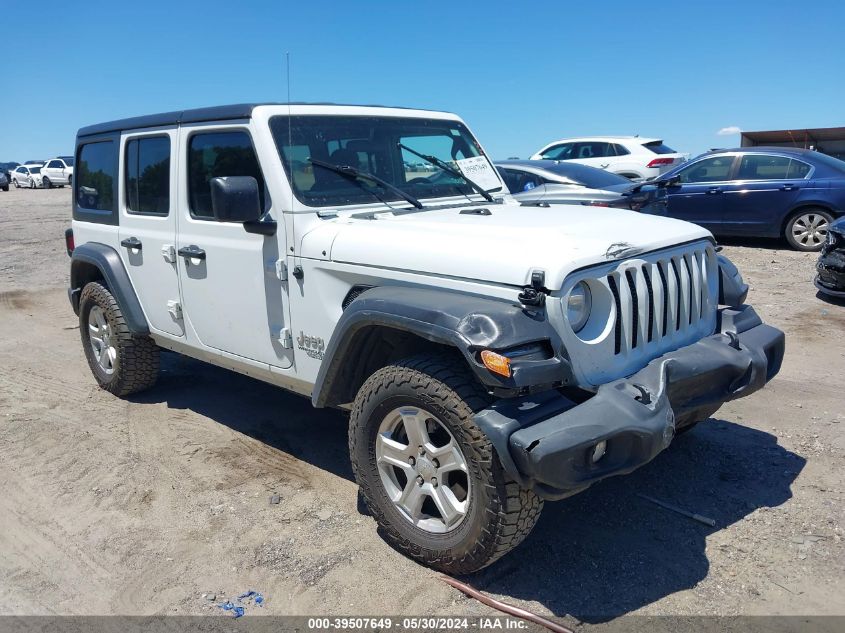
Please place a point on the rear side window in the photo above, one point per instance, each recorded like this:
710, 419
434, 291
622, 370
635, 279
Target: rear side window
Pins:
659, 148
797, 169
95, 176
147, 173
218, 154
620, 150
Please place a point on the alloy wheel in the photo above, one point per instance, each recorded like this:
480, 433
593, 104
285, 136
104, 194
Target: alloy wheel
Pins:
422, 469
102, 339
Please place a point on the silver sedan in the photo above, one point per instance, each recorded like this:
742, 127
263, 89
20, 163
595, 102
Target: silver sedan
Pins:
560, 182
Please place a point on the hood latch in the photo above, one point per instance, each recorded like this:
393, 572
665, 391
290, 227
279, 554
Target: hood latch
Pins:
535, 294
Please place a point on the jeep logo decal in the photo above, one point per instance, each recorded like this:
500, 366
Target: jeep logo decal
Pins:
311, 345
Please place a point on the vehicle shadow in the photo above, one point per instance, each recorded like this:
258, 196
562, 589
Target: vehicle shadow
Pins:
771, 243
277, 418
595, 556
606, 552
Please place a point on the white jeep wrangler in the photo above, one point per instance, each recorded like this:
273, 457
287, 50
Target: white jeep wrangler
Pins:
492, 355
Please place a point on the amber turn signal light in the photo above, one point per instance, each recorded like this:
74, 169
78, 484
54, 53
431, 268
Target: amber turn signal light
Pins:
496, 363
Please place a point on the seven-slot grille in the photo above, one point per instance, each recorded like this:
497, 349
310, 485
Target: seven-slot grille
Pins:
661, 299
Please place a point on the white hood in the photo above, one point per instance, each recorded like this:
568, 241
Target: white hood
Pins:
503, 247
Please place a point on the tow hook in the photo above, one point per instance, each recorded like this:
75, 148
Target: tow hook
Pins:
534, 295
733, 339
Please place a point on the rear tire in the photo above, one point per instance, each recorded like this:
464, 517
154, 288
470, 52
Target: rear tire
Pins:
122, 362
806, 229
486, 514
46, 183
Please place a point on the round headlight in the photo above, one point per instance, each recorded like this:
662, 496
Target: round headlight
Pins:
578, 305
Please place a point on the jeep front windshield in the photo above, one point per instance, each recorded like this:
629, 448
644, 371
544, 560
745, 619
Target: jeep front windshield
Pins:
371, 144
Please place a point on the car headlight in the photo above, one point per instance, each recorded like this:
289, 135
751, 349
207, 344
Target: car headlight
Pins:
578, 305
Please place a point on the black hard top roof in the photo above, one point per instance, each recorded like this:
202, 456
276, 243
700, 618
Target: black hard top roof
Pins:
198, 115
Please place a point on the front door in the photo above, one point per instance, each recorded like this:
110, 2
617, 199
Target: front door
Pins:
233, 300
765, 188
699, 195
148, 225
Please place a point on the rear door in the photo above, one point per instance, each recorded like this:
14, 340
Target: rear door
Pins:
699, 196
148, 224
233, 301
764, 190
598, 154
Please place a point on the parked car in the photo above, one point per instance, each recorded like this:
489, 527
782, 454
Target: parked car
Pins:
7, 169
761, 192
27, 176
830, 279
447, 318
629, 156
58, 172
4, 182
562, 182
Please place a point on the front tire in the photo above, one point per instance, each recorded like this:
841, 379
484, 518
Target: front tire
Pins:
121, 362
428, 474
807, 229
46, 183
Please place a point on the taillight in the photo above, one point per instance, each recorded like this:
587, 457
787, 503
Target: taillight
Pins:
660, 162
69, 242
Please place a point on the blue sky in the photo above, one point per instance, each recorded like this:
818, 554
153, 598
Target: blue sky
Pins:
520, 73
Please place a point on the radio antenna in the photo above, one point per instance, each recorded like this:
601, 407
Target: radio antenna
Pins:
290, 153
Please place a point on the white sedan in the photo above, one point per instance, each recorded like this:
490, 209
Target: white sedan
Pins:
27, 176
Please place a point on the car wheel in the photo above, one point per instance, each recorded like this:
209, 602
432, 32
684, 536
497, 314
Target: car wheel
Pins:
121, 362
6, 188
806, 230
17, 184
428, 474
70, 181
45, 182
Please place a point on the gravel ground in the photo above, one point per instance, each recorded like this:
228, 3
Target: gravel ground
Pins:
160, 504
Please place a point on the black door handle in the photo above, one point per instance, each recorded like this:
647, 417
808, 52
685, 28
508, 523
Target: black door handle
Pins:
192, 251
132, 242
714, 190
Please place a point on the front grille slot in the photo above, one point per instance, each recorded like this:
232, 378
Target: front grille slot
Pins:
650, 332
635, 308
617, 328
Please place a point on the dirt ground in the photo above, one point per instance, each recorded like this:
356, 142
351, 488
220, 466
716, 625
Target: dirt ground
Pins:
160, 504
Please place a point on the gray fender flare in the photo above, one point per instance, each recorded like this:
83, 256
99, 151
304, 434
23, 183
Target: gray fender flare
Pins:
466, 322
107, 261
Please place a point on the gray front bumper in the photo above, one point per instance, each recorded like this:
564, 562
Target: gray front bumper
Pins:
545, 440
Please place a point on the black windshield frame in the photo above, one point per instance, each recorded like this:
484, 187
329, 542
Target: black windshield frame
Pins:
374, 138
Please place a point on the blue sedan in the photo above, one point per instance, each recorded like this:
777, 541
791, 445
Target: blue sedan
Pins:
761, 192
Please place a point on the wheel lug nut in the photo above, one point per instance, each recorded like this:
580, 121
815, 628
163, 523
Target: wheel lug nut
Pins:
412, 461
435, 462
420, 480
434, 481
422, 451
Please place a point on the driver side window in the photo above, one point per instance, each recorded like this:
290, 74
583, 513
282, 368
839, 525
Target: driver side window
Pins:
716, 169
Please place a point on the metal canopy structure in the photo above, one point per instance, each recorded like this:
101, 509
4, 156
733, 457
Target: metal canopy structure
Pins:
829, 140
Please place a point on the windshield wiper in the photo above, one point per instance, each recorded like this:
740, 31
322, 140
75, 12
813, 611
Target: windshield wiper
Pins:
354, 174
447, 168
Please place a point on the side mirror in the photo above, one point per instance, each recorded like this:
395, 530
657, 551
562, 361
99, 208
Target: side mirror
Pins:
235, 199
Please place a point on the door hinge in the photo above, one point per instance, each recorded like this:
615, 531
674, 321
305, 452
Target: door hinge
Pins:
285, 338
168, 251
281, 270
175, 309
